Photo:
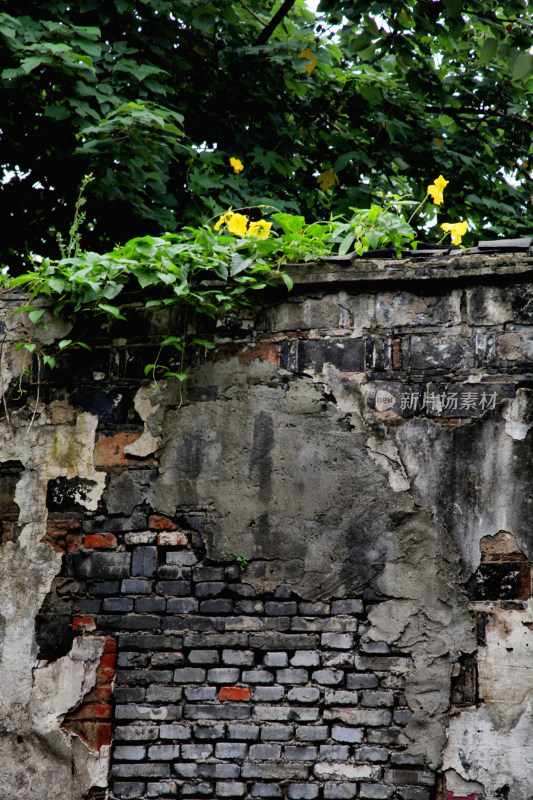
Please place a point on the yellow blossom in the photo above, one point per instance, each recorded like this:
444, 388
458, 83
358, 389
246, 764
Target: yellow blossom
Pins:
261, 229
309, 56
457, 230
327, 178
436, 189
236, 224
237, 164
223, 219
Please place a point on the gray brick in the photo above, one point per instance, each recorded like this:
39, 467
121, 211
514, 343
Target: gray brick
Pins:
230, 750
163, 752
276, 660
182, 605
337, 641
402, 716
102, 566
270, 771
282, 641
249, 607
334, 752
303, 791
340, 698
143, 676
340, 733
300, 752
144, 561
207, 731
257, 676
135, 586
230, 789
291, 676
412, 793
279, 609
361, 681
339, 791
196, 752
242, 589
382, 663
134, 733
276, 733
305, 694
161, 789
265, 790
142, 770
337, 658
312, 733
203, 657
149, 605
137, 712
150, 641
265, 752
174, 731
140, 537
373, 717
209, 589
194, 694
105, 587
229, 711
397, 777
174, 589
186, 770
221, 771
196, 788
328, 677
374, 648
131, 659
223, 675
247, 732
378, 755
189, 675
184, 558
268, 694
128, 752
219, 605
237, 658
128, 622
377, 699
313, 609
405, 760
163, 694
305, 658
347, 607
202, 574
283, 713
390, 736
118, 604
128, 789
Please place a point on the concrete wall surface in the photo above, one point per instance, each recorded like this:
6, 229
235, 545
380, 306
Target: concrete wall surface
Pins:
306, 574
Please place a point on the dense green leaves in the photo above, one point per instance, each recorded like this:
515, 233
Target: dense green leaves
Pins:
154, 98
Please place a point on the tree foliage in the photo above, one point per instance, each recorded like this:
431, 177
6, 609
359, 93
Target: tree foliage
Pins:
325, 111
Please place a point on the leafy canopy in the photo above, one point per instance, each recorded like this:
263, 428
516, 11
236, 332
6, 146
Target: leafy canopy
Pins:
323, 111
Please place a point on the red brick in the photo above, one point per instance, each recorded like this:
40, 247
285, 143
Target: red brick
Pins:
94, 711
63, 535
396, 354
108, 660
265, 351
110, 645
105, 541
83, 623
109, 451
234, 693
95, 734
158, 522
98, 695
172, 539
104, 676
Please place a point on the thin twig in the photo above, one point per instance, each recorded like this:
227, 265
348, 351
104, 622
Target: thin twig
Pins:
2, 385
249, 10
269, 29
38, 390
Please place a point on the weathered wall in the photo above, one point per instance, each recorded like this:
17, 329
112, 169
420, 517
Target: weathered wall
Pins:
365, 444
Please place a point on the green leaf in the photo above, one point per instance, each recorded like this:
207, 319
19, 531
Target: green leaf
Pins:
204, 343
113, 311
35, 315
64, 343
287, 280
523, 67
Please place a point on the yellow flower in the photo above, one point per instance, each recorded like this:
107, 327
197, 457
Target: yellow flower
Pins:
309, 56
457, 230
261, 229
223, 219
237, 164
327, 178
236, 224
436, 189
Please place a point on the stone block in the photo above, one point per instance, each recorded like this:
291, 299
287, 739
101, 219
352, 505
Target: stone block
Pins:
163, 752
305, 658
230, 789
230, 750
291, 676
341, 733
196, 752
303, 791
328, 677
300, 752
339, 791
312, 733
248, 733
304, 694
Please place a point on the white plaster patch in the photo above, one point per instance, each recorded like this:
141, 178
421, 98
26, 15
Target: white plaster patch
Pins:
146, 408
385, 454
518, 414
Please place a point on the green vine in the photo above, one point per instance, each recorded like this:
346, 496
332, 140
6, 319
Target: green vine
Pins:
212, 269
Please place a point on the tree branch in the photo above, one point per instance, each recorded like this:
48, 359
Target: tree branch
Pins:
269, 29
